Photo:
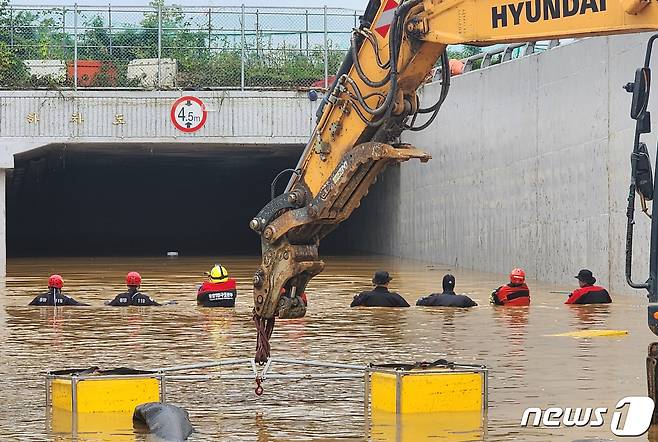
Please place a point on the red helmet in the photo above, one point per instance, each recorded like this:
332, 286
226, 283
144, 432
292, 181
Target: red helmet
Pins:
517, 276
133, 279
55, 281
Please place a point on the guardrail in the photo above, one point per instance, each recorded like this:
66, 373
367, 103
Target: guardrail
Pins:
502, 54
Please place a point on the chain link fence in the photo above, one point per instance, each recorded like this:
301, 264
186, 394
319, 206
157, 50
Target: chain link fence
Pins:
167, 47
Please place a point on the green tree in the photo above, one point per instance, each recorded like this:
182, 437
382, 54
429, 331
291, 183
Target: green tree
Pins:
12, 69
4, 20
463, 51
95, 41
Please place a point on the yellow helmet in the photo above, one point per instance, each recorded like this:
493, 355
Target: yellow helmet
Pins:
218, 274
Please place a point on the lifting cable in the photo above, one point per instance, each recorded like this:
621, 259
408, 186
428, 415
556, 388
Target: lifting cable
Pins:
264, 329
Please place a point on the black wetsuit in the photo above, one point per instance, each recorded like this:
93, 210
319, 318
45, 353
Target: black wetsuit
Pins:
132, 297
446, 299
379, 297
54, 295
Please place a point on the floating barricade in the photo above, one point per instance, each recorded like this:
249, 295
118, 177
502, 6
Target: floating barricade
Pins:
401, 401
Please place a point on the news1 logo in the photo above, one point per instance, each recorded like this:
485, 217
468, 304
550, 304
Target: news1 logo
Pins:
631, 417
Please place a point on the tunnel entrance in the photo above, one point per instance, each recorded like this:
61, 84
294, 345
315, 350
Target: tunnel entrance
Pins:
137, 200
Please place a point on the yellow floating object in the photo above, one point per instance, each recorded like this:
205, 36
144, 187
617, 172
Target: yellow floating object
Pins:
427, 390
100, 394
593, 333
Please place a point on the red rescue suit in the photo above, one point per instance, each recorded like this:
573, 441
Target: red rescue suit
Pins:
512, 295
592, 294
217, 294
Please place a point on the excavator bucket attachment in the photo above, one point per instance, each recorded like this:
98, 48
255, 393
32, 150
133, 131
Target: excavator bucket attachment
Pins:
290, 241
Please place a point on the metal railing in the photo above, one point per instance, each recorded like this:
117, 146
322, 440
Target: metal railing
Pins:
494, 55
501, 54
167, 47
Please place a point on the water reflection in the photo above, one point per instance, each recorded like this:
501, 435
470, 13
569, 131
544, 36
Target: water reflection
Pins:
449, 427
529, 368
589, 316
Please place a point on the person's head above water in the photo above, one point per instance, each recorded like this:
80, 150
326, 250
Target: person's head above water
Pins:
133, 279
55, 282
586, 278
448, 283
217, 274
381, 278
517, 276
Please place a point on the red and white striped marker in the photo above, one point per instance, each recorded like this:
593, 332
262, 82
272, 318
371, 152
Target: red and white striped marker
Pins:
385, 20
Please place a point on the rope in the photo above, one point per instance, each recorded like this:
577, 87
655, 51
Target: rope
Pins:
264, 329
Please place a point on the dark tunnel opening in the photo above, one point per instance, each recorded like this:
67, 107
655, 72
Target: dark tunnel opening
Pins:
140, 200
143, 200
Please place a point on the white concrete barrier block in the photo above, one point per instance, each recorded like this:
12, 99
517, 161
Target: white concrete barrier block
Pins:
56, 69
145, 70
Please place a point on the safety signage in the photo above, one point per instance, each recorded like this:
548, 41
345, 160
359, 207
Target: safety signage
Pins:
188, 114
386, 18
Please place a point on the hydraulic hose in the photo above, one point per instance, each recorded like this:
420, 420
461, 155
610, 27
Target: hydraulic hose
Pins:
375, 46
359, 69
394, 44
366, 20
362, 100
445, 87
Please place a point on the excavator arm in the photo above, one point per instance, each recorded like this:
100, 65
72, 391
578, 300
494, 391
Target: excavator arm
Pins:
374, 99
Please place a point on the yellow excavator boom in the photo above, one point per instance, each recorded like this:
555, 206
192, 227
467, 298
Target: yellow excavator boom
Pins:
374, 100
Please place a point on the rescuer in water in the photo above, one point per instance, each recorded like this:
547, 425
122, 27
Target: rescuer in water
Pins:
514, 294
219, 290
133, 295
588, 293
379, 296
54, 295
448, 298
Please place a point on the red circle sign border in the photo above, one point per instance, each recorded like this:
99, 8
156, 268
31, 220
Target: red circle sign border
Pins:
172, 114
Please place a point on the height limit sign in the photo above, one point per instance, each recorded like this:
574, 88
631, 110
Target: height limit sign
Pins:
188, 114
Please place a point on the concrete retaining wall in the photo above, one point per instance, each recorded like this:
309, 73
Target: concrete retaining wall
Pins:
531, 168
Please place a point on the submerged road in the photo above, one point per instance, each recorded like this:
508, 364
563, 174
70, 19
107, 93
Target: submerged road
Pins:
528, 368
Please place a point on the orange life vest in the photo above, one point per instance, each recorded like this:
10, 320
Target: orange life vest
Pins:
513, 295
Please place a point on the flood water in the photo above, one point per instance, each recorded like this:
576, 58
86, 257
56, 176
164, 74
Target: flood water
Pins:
528, 367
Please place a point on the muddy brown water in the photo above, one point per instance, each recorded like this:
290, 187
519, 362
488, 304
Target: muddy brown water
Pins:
528, 367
